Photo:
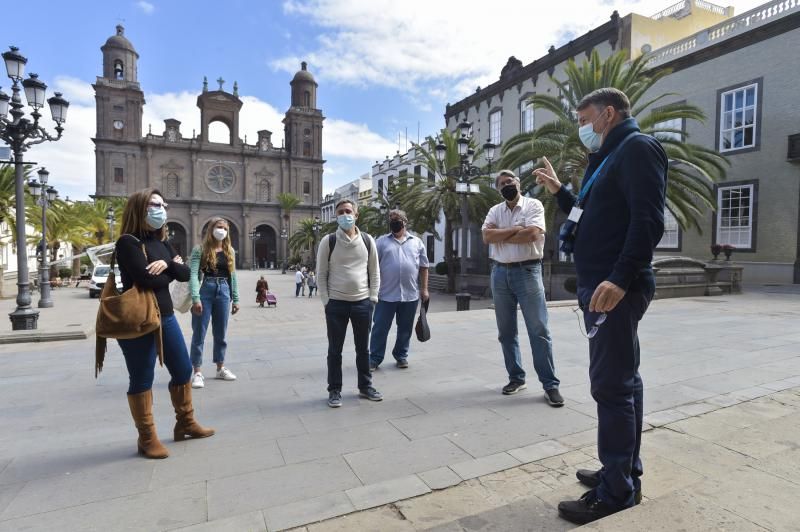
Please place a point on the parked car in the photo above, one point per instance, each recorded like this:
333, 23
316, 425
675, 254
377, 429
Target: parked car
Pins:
99, 278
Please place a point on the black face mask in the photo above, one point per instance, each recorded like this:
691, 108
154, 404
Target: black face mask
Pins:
509, 192
396, 225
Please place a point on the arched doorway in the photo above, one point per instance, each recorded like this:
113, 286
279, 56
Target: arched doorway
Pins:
177, 237
266, 249
234, 234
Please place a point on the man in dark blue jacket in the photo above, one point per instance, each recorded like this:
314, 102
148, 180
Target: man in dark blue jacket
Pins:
614, 225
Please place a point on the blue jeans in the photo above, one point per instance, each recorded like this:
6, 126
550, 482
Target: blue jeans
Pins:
617, 389
523, 285
337, 315
140, 357
403, 312
215, 295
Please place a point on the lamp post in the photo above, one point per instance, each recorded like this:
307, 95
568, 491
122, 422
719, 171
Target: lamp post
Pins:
254, 235
465, 172
20, 134
316, 227
110, 222
284, 237
44, 195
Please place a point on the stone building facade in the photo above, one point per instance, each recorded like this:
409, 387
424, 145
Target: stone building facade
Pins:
201, 179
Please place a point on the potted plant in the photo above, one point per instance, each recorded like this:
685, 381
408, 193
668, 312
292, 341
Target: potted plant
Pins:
716, 249
728, 250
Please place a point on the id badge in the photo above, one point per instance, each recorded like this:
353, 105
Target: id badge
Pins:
575, 215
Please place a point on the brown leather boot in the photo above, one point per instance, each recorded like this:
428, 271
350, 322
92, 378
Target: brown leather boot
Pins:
141, 405
186, 426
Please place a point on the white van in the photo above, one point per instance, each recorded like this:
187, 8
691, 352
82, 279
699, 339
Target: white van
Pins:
99, 278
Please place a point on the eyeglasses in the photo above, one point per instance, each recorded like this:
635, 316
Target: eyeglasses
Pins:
601, 319
157, 205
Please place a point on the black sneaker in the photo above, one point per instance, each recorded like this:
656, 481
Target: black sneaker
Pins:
335, 399
370, 393
586, 509
513, 387
402, 363
591, 479
554, 397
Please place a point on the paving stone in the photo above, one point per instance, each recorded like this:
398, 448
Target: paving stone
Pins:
529, 515
394, 461
676, 511
380, 493
664, 476
664, 417
483, 466
82, 487
308, 511
350, 439
440, 478
249, 522
448, 505
383, 519
696, 409
350, 415
696, 454
426, 425
278, 486
538, 451
7, 494
213, 464
579, 439
164, 509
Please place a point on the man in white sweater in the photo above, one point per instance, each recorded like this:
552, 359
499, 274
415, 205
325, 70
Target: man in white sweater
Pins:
348, 280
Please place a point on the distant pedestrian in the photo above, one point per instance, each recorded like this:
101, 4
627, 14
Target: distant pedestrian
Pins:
312, 283
403, 259
262, 287
299, 280
214, 298
304, 270
147, 260
616, 222
349, 281
515, 231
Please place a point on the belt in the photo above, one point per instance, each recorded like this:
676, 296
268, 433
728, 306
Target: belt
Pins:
520, 264
207, 278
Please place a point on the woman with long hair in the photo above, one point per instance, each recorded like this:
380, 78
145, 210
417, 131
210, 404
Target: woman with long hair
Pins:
214, 298
147, 260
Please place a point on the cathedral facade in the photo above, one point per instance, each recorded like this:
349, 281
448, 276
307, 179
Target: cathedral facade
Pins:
201, 179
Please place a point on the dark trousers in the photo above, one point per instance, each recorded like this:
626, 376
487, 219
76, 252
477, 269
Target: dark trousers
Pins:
337, 314
616, 387
140, 357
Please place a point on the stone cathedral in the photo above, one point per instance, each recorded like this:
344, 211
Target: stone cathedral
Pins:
202, 179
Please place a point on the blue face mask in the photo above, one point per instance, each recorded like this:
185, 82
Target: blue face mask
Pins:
156, 217
590, 138
346, 221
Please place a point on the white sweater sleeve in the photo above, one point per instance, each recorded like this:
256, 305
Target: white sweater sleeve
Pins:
323, 250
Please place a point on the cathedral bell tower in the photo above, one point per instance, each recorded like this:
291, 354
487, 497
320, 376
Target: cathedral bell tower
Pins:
119, 101
303, 121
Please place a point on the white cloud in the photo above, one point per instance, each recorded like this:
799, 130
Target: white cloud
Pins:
71, 160
146, 7
451, 47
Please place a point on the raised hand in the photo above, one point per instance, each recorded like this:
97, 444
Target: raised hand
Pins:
547, 176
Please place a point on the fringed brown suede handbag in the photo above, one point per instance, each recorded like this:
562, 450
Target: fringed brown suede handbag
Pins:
131, 314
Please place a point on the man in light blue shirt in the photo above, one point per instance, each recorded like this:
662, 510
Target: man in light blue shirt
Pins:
402, 259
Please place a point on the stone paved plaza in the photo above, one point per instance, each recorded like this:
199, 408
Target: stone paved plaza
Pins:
281, 458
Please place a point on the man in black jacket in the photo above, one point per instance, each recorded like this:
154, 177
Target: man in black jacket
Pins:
614, 225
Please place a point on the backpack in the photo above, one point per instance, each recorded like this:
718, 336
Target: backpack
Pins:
332, 244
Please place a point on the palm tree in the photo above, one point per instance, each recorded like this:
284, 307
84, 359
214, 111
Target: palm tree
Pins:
288, 202
425, 203
8, 197
304, 238
693, 169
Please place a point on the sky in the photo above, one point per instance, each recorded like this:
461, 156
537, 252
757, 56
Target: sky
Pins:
385, 68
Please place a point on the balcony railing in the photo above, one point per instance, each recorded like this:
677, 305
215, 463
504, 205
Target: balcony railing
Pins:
734, 26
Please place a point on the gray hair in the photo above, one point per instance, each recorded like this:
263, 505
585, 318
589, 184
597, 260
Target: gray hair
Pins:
342, 202
504, 173
607, 96
399, 213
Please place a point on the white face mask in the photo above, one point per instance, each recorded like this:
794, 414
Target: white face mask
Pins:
220, 233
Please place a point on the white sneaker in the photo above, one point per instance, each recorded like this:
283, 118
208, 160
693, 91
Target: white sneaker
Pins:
198, 381
225, 374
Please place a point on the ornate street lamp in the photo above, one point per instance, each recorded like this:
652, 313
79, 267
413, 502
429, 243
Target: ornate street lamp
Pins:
284, 238
110, 222
44, 195
316, 227
465, 172
254, 235
20, 133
